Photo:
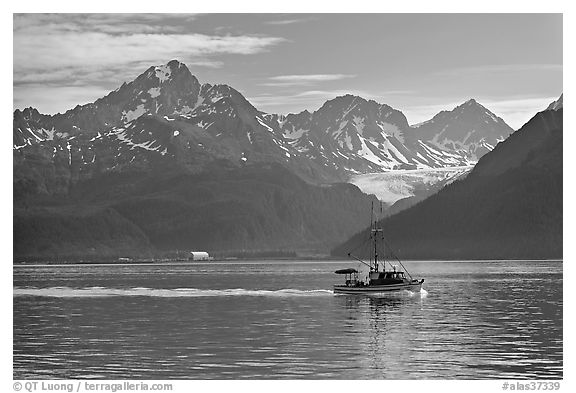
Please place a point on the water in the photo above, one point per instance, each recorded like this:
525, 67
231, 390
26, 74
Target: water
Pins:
268, 320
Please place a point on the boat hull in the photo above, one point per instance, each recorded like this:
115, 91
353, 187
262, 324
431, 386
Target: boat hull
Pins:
414, 286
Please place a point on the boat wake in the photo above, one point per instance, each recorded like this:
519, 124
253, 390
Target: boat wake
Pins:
67, 292
393, 294
423, 293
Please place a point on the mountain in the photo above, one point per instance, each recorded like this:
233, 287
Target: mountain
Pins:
161, 90
509, 206
469, 129
351, 134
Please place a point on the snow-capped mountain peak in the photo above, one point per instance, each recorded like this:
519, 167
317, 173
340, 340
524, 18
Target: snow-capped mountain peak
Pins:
163, 72
470, 128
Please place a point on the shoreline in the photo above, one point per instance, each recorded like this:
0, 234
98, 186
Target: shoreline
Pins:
260, 261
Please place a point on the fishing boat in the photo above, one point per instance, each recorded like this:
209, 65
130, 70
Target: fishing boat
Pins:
380, 278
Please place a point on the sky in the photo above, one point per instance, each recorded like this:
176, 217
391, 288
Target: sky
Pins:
417, 63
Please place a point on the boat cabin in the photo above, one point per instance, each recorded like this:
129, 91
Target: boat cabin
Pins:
388, 277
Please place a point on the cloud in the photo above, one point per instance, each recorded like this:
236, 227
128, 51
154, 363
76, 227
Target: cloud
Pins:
332, 93
36, 50
361, 93
205, 63
499, 69
285, 22
310, 77
306, 79
107, 23
48, 46
280, 22
313, 99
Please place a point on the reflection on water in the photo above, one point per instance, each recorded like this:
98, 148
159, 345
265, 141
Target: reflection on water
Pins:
280, 320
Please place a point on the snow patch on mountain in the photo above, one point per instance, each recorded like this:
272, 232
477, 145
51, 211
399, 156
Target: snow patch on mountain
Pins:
347, 141
359, 124
98, 136
122, 135
264, 124
294, 134
132, 115
154, 92
388, 146
340, 129
163, 72
204, 124
366, 153
198, 103
392, 130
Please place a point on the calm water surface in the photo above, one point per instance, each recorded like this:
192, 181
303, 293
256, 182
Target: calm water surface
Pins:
266, 320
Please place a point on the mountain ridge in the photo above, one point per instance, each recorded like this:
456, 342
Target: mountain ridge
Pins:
346, 135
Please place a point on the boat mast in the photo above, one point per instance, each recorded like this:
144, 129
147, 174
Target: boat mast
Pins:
373, 234
374, 231
383, 244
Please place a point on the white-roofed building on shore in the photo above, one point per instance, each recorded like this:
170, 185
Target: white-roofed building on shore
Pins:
199, 256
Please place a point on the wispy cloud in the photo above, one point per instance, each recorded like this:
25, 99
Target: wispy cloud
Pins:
103, 50
205, 63
304, 79
35, 49
499, 69
310, 77
105, 23
313, 99
289, 21
362, 93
